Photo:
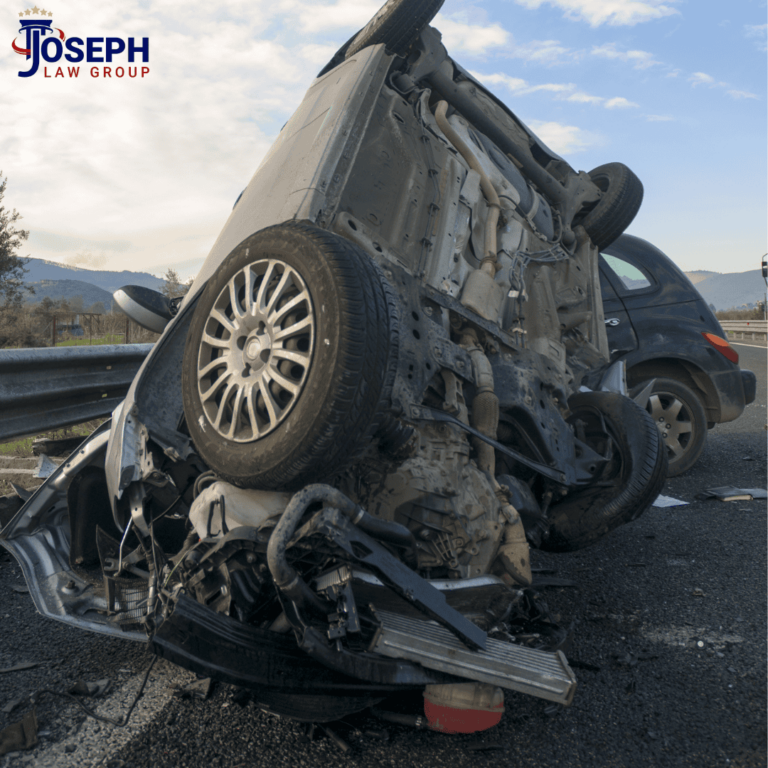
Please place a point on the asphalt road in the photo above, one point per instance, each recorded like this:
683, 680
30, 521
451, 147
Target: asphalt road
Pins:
669, 648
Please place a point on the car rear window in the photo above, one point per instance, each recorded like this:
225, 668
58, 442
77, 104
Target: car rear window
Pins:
629, 275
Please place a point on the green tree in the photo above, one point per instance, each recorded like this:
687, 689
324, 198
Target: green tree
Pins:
173, 287
12, 269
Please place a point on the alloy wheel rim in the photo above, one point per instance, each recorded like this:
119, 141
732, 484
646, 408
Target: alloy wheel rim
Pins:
256, 350
673, 422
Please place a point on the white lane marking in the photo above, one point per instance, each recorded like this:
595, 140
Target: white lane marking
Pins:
685, 636
754, 346
96, 742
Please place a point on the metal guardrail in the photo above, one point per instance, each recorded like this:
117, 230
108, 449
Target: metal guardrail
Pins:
752, 327
44, 389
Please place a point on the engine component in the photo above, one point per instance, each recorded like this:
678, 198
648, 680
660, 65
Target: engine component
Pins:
514, 667
222, 507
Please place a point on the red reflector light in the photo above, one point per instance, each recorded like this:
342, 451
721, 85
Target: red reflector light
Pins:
722, 346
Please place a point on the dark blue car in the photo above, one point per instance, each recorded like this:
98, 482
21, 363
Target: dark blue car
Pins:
659, 324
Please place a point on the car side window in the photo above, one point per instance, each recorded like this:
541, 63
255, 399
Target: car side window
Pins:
628, 275
606, 289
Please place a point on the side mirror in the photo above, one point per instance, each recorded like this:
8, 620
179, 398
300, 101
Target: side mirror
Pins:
150, 309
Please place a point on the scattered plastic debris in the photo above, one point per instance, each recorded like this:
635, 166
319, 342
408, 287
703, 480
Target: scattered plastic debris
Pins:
20, 735
698, 592
731, 493
11, 705
94, 689
45, 467
199, 689
20, 666
668, 501
22, 493
22, 590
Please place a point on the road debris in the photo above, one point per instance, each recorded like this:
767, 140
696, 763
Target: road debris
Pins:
731, 493
668, 501
45, 467
94, 689
21, 666
19, 735
198, 689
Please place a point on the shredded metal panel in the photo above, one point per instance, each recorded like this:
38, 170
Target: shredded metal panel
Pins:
538, 673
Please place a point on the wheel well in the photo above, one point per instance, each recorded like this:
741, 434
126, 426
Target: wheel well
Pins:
684, 372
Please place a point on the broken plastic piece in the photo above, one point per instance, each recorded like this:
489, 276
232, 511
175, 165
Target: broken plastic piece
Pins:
20, 666
94, 689
731, 493
463, 707
668, 501
199, 689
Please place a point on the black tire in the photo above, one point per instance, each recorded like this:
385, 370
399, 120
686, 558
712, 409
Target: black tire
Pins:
627, 485
618, 206
681, 420
397, 24
332, 399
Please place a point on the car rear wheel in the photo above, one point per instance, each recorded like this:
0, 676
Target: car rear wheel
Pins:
682, 423
622, 194
289, 358
397, 24
627, 485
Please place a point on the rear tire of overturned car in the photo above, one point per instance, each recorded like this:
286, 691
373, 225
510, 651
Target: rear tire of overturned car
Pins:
618, 206
626, 486
289, 358
397, 24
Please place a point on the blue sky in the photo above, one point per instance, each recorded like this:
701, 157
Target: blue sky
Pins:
142, 173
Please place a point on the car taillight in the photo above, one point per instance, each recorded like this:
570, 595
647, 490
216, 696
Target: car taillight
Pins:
722, 346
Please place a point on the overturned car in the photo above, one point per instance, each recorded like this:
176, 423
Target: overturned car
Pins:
389, 381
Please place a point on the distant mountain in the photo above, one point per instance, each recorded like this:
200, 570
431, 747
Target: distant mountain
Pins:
731, 290
699, 276
68, 289
39, 269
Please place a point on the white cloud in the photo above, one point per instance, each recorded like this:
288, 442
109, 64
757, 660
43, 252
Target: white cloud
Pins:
585, 98
701, 78
565, 91
521, 87
619, 102
743, 95
563, 139
473, 39
639, 59
758, 32
159, 161
611, 12
541, 52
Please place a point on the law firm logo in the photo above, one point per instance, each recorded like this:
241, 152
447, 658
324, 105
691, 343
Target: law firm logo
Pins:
42, 43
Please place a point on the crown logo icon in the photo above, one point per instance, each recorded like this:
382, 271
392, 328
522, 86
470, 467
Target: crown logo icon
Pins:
35, 12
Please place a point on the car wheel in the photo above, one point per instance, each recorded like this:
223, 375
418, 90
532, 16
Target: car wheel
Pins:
289, 359
397, 24
618, 205
627, 485
680, 418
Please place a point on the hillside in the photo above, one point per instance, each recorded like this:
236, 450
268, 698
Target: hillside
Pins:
39, 269
734, 289
68, 289
700, 275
